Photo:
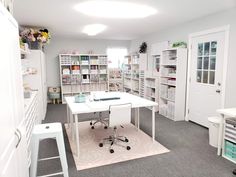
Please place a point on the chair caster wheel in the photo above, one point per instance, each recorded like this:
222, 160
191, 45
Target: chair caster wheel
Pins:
91, 123
126, 140
111, 151
92, 127
128, 148
105, 127
100, 145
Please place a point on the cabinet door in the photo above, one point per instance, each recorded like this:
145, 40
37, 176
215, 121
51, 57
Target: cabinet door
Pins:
12, 103
35, 81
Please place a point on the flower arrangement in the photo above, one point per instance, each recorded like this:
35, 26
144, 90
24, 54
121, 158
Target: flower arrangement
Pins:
35, 35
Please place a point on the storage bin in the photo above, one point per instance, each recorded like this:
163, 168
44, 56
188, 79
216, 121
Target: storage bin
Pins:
103, 71
85, 71
230, 154
213, 130
80, 98
230, 146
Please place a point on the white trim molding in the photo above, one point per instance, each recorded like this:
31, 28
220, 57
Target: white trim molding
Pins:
226, 30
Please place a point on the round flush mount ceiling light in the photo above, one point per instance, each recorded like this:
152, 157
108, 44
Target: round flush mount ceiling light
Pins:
94, 29
114, 9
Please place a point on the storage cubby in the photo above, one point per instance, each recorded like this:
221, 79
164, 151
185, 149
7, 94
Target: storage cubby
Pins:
134, 65
83, 73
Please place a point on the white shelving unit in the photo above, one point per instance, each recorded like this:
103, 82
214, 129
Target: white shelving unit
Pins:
115, 79
173, 76
83, 73
152, 89
133, 73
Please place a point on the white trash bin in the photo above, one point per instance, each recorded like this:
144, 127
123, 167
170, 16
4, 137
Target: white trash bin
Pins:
214, 130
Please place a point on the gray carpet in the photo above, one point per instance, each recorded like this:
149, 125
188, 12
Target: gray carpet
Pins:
190, 156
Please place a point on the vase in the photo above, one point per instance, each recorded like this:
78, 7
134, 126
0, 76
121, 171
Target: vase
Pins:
35, 45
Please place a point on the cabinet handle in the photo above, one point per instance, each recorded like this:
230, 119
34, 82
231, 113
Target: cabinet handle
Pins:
217, 91
19, 136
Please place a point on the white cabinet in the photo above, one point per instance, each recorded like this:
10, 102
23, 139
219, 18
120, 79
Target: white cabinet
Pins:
37, 81
173, 76
13, 154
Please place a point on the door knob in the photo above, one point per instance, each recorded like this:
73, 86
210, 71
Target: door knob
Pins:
217, 91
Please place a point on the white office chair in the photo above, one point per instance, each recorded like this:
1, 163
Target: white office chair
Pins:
101, 120
118, 115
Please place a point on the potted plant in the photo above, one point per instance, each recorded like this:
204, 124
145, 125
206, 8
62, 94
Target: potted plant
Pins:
143, 48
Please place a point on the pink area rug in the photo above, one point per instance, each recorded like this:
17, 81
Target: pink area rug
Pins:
91, 155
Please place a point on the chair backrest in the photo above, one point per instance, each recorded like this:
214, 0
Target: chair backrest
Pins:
119, 114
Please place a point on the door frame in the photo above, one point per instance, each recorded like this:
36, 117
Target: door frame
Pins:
226, 30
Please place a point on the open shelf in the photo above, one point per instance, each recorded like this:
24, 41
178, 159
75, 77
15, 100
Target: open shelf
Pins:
83, 73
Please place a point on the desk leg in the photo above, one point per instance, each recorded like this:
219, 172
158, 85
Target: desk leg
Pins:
77, 134
72, 125
136, 118
153, 123
220, 136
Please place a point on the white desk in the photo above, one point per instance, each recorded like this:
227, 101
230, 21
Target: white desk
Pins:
229, 112
74, 109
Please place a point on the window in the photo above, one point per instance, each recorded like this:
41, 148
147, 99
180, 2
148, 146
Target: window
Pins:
116, 57
206, 62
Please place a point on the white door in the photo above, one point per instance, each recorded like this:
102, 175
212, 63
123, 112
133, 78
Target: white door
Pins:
206, 76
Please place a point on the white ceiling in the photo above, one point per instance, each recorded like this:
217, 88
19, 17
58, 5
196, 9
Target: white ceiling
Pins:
61, 19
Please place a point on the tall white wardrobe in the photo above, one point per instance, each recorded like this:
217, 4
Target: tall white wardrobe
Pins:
13, 151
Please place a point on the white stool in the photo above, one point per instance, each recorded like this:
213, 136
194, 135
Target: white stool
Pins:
45, 131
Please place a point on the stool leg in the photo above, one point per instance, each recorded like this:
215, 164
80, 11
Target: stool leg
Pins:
68, 115
62, 154
34, 156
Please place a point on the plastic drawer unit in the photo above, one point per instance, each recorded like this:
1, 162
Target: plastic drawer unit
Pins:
230, 139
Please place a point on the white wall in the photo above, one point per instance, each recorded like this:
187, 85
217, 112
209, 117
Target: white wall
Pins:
59, 44
181, 32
